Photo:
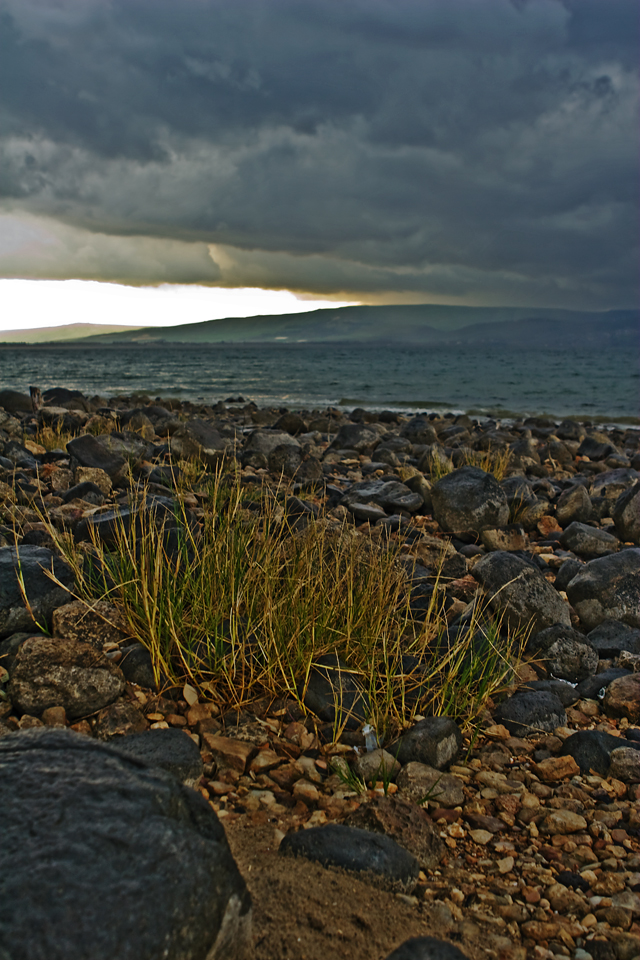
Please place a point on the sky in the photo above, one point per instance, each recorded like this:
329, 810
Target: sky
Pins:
379, 151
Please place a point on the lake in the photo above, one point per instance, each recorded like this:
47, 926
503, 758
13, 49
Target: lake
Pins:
598, 385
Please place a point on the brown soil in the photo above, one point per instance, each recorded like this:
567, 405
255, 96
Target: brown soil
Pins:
303, 911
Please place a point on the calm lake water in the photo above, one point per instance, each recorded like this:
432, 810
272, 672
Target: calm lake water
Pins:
592, 385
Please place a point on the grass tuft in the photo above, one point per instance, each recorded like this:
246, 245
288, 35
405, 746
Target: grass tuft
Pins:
241, 603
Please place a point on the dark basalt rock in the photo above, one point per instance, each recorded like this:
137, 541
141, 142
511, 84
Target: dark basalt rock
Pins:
565, 692
611, 637
567, 654
588, 541
426, 948
574, 504
389, 495
591, 749
136, 665
566, 573
355, 436
360, 851
608, 589
55, 672
626, 514
113, 859
28, 565
434, 741
593, 686
527, 713
333, 694
517, 590
90, 452
197, 438
469, 499
171, 750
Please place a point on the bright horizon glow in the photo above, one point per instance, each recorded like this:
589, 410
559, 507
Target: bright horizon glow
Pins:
32, 304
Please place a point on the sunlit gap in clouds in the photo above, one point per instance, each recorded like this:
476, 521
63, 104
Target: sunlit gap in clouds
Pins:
29, 304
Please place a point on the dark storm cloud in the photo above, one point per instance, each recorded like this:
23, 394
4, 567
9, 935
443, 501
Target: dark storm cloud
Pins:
482, 149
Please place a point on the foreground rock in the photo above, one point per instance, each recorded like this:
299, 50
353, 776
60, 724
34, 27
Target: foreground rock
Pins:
169, 887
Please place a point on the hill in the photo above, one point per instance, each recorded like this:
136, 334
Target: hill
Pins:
69, 331
412, 324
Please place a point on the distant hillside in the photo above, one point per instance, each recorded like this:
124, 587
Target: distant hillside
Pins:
415, 324
70, 331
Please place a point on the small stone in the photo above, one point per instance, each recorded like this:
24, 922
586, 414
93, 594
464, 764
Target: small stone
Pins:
264, 760
377, 765
562, 822
434, 741
556, 768
424, 784
228, 752
505, 865
540, 930
481, 837
622, 697
54, 717
625, 764
305, 791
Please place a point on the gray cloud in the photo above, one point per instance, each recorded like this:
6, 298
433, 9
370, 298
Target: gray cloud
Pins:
484, 152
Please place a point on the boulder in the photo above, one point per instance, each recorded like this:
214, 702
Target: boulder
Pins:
611, 637
518, 591
137, 666
118, 721
54, 672
574, 504
360, 851
419, 430
89, 451
389, 495
596, 686
112, 859
284, 459
469, 499
18, 404
588, 541
24, 574
527, 713
592, 749
608, 588
434, 741
261, 443
625, 764
355, 436
596, 447
568, 654
198, 439
626, 514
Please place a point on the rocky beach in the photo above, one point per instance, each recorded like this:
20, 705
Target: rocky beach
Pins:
148, 813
